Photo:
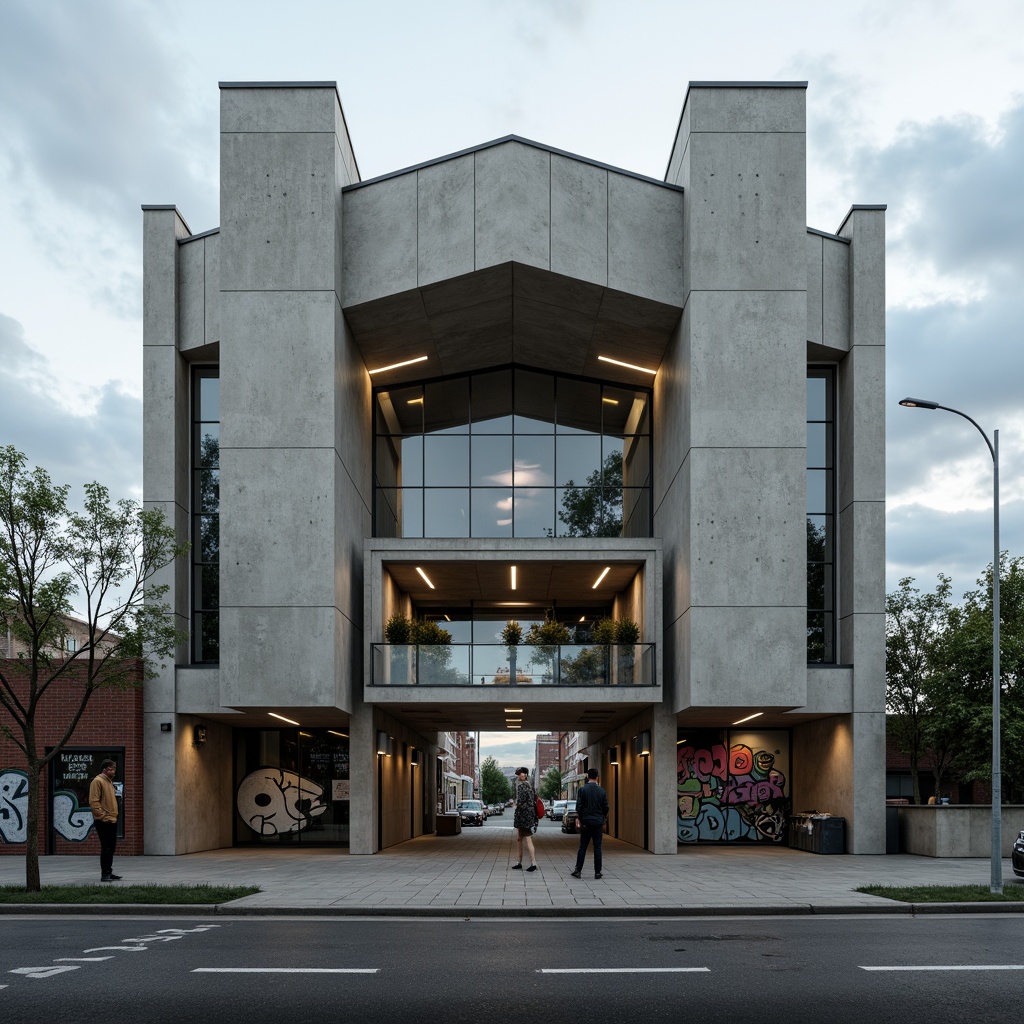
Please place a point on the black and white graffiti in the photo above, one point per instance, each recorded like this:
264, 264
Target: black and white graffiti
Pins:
273, 801
14, 806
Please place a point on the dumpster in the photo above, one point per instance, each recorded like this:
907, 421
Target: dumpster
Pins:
817, 832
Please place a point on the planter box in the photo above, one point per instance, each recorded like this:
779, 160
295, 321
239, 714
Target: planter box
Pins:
956, 830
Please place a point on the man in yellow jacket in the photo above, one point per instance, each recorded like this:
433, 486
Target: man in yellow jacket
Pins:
103, 801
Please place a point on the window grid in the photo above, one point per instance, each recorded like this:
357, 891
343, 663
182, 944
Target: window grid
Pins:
821, 581
205, 640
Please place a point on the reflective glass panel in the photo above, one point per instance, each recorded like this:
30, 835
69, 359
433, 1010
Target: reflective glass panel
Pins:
492, 512
209, 399
534, 460
817, 389
446, 406
492, 460
534, 511
578, 460
411, 511
446, 512
445, 460
412, 461
534, 403
207, 444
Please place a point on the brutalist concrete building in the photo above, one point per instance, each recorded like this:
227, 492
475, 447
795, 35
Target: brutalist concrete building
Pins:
516, 384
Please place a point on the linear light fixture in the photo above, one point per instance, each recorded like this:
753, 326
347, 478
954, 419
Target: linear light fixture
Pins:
395, 366
513, 711
610, 401
507, 720
756, 714
447, 618
583, 618
514, 577
513, 727
414, 401
628, 366
607, 569
343, 735
426, 579
274, 714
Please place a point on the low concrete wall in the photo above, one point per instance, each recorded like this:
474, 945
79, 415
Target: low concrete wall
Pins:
956, 830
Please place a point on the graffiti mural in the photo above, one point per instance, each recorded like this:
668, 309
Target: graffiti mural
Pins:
732, 789
13, 806
273, 801
70, 820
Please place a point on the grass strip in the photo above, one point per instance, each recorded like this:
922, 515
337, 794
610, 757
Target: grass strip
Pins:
1012, 893
109, 893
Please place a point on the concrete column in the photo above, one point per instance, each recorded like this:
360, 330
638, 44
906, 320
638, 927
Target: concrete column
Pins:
165, 487
731, 406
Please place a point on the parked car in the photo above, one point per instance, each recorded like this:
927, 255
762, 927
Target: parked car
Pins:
471, 812
497, 808
570, 821
1017, 856
558, 809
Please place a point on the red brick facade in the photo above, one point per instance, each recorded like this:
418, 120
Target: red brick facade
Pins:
113, 718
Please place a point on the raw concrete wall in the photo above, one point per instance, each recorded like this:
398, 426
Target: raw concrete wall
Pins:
956, 830
729, 405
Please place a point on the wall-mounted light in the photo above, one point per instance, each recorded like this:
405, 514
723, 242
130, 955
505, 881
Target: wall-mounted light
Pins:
198, 735
414, 756
642, 744
395, 366
383, 743
165, 726
613, 755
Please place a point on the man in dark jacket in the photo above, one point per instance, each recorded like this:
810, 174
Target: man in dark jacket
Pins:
591, 809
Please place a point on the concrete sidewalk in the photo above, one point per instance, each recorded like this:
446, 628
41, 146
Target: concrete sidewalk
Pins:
471, 874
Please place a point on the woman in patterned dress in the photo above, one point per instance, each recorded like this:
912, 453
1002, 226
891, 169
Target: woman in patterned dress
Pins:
525, 820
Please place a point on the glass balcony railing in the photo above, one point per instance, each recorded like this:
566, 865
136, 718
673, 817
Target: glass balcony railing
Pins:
498, 665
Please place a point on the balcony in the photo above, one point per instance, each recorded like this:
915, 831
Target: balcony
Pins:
497, 665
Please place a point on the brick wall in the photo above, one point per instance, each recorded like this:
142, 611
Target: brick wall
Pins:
113, 718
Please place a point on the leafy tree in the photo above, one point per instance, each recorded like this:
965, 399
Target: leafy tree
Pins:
594, 509
551, 784
105, 557
494, 787
913, 628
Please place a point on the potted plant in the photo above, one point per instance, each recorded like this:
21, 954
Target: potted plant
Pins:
511, 636
547, 637
398, 633
627, 636
432, 647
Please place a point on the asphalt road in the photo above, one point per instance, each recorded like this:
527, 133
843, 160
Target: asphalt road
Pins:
765, 970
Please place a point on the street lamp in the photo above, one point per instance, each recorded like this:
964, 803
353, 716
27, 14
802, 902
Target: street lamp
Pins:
996, 884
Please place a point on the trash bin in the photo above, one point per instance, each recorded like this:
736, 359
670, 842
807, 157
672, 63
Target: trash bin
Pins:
817, 833
448, 824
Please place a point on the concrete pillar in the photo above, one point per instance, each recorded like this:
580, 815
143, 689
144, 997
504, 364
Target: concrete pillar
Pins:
165, 487
730, 400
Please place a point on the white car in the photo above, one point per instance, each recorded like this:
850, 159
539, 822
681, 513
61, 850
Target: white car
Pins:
558, 810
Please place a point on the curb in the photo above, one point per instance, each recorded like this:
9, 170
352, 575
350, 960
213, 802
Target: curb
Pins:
227, 910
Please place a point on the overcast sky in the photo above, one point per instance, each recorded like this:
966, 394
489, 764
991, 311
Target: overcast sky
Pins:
109, 104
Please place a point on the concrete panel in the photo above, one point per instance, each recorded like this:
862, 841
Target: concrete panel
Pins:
645, 239
353, 523
348, 169
823, 767
277, 527
835, 295
379, 251
158, 692
861, 402
278, 370
829, 690
353, 418
747, 369
197, 690
747, 657
445, 219
579, 220
277, 205
866, 832
160, 796
348, 660
672, 410
556, 290
161, 229
862, 557
212, 327
278, 657
191, 295
748, 540
165, 445
814, 286
301, 108
513, 205
865, 227
755, 109
747, 212
862, 636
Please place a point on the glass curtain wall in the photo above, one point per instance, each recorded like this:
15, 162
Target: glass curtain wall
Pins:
512, 453
205, 514
821, 647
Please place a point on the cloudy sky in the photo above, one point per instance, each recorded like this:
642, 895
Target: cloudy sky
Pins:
109, 104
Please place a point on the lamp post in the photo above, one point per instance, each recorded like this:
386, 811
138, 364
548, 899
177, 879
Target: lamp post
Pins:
996, 884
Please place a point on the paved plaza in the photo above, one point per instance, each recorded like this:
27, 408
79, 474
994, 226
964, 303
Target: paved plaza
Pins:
472, 873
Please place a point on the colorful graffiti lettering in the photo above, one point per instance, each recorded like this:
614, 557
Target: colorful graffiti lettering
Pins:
729, 795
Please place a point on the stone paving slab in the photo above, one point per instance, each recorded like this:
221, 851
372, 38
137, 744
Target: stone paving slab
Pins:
472, 873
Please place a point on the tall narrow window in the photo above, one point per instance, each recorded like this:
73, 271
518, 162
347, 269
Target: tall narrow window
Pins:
206, 515
821, 646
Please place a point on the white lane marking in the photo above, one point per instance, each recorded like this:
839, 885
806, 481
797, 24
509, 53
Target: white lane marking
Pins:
285, 970
952, 967
120, 949
42, 972
624, 970
83, 959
